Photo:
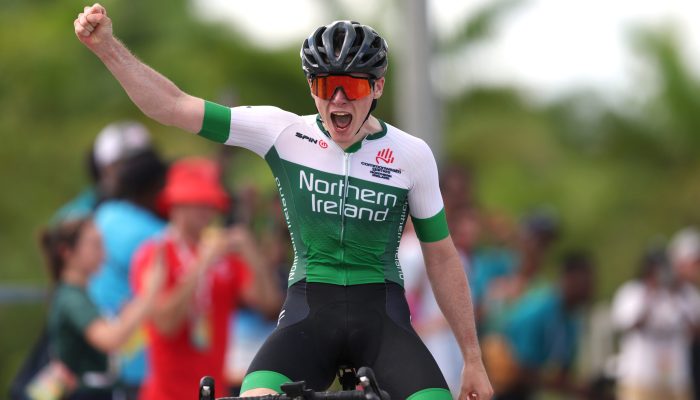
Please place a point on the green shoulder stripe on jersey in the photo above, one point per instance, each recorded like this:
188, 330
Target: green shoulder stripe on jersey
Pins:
264, 380
431, 394
431, 229
217, 122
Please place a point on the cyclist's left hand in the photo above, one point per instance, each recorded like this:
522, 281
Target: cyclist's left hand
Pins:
475, 382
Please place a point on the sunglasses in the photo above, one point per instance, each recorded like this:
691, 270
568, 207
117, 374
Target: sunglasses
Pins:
354, 88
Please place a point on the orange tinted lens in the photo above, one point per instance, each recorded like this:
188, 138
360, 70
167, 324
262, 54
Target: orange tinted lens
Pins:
354, 88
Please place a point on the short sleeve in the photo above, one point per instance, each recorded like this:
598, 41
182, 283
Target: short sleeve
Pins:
424, 197
253, 128
79, 311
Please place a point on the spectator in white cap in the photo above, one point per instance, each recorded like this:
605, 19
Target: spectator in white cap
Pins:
115, 142
125, 220
684, 251
657, 314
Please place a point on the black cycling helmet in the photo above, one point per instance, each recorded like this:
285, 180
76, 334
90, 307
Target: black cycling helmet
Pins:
344, 47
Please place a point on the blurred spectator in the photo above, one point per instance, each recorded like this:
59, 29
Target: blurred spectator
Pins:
465, 230
456, 185
249, 327
426, 316
125, 222
501, 276
655, 314
684, 253
114, 143
685, 249
537, 341
79, 337
207, 276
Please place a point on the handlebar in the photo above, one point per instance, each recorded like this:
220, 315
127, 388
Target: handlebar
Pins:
298, 391
351, 395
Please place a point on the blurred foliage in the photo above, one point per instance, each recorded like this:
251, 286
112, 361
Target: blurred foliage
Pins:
479, 26
619, 175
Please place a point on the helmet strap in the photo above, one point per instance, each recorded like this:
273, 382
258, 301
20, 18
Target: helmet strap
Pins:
371, 108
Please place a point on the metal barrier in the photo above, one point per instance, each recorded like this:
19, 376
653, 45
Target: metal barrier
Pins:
22, 294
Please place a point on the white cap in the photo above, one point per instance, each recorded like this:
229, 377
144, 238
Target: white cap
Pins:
685, 245
119, 140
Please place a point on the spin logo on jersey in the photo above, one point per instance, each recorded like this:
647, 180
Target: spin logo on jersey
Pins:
385, 155
309, 139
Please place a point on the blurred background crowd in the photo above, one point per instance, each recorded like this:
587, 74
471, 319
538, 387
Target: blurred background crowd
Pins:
572, 205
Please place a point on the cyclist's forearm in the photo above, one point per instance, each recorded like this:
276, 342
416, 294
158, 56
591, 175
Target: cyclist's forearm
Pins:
155, 95
452, 293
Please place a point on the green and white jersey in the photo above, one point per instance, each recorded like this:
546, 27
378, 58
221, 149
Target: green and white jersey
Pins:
345, 209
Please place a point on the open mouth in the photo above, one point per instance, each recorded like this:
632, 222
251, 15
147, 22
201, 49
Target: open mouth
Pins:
341, 120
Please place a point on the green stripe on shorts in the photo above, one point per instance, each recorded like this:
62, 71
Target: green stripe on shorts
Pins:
431, 394
264, 380
217, 122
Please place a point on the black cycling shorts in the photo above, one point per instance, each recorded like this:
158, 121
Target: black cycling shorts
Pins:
323, 326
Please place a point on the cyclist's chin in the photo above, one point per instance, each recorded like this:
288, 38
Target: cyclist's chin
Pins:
343, 137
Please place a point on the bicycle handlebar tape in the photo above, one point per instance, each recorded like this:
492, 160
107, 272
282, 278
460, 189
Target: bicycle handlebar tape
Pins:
311, 395
206, 388
351, 395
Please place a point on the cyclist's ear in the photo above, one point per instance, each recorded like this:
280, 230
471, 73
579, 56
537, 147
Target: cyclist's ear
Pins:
378, 88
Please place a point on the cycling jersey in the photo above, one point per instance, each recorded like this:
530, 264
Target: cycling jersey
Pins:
345, 208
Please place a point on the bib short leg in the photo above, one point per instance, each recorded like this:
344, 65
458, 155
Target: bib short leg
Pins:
323, 326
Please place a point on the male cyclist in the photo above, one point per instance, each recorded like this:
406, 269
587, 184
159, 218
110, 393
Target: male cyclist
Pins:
347, 182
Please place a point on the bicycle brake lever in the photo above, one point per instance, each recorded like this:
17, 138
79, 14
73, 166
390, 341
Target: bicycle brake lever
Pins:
206, 388
297, 390
369, 383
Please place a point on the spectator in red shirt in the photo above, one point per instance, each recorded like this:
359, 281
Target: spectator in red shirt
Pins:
208, 273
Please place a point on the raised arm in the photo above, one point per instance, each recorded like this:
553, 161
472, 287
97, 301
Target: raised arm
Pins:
452, 293
152, 93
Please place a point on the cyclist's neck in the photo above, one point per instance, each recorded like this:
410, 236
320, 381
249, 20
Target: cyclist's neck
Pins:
370, 127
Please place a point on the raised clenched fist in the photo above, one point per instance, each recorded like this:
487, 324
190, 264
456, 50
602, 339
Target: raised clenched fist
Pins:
93, 27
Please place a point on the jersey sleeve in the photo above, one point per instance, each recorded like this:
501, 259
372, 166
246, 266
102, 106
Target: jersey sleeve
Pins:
424, 197
253, 128
80, 311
